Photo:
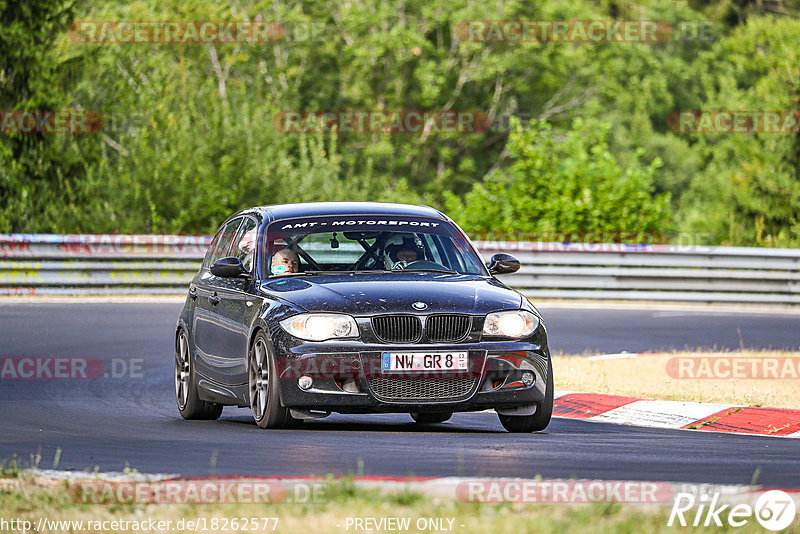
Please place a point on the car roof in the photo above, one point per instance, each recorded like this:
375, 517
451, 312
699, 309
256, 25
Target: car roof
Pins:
322, 209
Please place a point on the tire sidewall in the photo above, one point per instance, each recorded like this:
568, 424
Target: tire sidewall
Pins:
179, 360
274, 414
195, 408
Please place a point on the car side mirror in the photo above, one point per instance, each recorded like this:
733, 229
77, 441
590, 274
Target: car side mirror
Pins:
230, 267
503, 264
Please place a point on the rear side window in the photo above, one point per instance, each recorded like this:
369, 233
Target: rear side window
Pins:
244, 246
222, 242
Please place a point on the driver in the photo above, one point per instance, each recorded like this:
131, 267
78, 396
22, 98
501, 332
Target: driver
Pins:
407, 254
401, 254
285, 261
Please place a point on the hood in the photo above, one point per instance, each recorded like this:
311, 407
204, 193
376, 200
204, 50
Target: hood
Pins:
366, 294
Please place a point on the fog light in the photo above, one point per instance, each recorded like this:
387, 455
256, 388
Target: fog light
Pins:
527, 378
305, 382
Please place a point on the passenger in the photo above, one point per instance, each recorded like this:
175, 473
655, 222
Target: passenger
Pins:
285, 261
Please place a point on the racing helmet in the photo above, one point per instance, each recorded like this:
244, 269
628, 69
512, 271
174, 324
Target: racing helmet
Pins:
399, 243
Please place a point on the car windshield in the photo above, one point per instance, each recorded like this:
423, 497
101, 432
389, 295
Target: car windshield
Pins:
368, 244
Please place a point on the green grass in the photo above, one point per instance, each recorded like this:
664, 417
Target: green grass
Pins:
10, 468
647, 376
29, 499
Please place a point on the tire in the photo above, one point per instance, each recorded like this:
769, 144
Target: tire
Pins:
189, 403
539, 420
265, 400
431, 418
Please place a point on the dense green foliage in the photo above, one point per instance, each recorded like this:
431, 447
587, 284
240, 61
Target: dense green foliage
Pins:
193, 136
570, 185
37, 173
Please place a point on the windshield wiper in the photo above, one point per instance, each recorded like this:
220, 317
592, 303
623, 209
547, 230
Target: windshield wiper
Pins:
368, 271
327, 272
365, 271
284, 275
445, 271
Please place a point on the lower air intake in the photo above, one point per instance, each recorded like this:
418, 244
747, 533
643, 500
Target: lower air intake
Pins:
413, 389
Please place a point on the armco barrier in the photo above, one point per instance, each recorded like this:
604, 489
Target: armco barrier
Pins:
43, 264
34, 264
653, 272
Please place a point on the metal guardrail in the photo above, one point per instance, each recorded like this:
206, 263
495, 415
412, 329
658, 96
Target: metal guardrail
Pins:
43, 264
654, 272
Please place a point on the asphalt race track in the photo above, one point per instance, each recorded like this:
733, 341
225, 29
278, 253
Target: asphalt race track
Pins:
114, 422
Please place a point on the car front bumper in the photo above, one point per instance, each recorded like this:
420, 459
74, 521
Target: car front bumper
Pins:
347, 376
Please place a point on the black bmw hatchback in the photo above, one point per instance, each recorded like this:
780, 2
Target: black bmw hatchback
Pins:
306, 309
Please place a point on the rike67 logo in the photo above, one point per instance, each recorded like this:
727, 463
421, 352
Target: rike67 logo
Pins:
774, 510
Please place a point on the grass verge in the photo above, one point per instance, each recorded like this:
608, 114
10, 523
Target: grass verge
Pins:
29, 500
649, 376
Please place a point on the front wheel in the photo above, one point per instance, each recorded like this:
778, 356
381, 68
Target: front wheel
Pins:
430, 418
189, 403
539, 420
264, 392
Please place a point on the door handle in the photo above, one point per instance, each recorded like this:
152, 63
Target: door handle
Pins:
193, 292
214, 299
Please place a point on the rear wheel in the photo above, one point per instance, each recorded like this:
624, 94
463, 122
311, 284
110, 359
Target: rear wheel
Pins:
431, 418
539, 420
264, 392
189, 403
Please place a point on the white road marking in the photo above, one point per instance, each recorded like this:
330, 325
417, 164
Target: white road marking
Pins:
660, 414
615, 356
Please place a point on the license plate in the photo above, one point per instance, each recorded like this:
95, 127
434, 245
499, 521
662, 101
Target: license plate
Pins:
424, 361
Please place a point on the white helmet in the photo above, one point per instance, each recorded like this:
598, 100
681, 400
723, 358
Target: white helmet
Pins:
399, 242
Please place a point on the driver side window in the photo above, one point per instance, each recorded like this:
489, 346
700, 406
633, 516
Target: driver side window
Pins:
244, 246
222, 242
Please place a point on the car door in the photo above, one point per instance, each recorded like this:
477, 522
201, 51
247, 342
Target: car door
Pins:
210, 331
237, 308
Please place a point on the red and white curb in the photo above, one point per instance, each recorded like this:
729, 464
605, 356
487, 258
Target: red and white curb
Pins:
678, 415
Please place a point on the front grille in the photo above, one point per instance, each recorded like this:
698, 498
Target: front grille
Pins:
397, 328
395, 389
446, 328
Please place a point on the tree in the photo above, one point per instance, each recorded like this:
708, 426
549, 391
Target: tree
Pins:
749, 190
38, 172
564, 182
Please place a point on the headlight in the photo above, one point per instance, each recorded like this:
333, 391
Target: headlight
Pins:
516, 324
320, 326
